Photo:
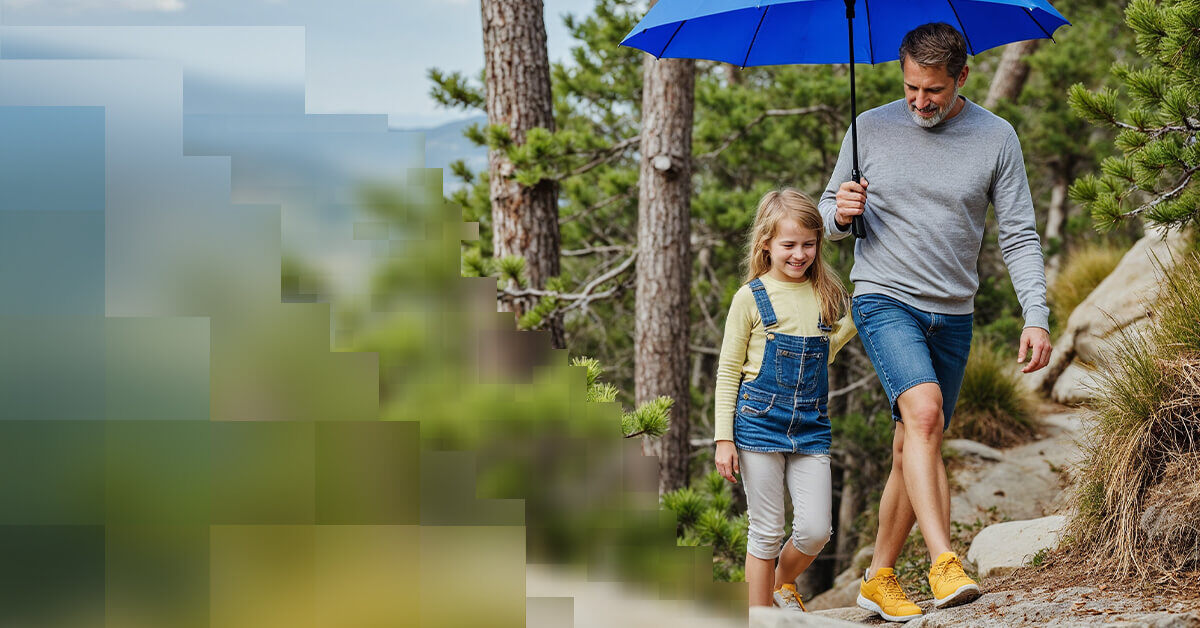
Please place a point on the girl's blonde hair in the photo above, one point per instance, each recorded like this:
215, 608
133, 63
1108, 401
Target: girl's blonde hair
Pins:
794, 204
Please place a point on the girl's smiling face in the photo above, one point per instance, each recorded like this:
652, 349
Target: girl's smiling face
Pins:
792, 251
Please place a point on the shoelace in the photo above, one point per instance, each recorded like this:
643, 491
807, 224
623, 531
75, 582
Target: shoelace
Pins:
790, 598
890, 587
952, 561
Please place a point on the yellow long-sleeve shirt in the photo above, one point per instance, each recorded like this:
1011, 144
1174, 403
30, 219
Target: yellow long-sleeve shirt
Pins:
798, 312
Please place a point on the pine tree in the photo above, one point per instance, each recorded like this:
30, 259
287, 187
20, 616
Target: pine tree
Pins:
1157, 115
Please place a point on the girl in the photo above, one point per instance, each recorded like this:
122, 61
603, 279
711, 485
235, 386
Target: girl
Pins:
772, 425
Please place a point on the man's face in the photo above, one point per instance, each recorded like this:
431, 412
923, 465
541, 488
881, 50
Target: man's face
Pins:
931, 92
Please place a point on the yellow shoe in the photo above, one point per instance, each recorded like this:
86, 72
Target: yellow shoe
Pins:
882, 594
950, 584
786, 597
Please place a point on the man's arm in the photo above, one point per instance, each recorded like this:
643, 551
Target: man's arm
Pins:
1022, 251
828, 203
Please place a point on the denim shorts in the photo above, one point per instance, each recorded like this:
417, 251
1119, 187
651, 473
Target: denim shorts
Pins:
909, 346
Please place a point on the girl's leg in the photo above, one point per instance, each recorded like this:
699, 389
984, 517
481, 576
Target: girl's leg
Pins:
759, 576
811, 487
763, 480
792, 563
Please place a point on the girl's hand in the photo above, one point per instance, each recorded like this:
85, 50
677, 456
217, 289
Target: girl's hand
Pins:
727, 460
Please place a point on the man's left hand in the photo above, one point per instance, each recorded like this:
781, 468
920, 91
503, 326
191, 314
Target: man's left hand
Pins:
1036, 342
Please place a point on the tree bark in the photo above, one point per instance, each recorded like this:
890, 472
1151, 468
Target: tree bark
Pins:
664, 264
1056, 219
1011, 74
524, 219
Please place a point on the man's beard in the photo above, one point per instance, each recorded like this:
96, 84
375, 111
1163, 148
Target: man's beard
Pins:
938, 116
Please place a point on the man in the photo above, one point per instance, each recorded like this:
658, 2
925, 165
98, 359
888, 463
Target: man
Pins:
931, 163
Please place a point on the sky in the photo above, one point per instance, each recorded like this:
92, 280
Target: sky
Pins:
361, 56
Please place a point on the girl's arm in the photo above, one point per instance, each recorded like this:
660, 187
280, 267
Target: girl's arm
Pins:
843, 331
742, 313
726, 459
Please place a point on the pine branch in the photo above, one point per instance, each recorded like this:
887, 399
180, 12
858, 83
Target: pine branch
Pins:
606, 155
508, 294
862, 381
593, 250
616, 198
1166, 196
770, 113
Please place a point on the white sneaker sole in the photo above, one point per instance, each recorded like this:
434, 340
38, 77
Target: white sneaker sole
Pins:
866, 604
965, 593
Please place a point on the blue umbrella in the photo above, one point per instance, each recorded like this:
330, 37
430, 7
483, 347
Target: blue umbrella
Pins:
776, 32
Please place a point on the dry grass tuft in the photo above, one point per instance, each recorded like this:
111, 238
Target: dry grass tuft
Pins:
1139, 491
1084, 270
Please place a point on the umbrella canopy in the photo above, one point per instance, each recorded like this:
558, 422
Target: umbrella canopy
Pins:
775, 32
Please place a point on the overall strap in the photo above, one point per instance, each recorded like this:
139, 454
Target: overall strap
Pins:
822, 325
765, 311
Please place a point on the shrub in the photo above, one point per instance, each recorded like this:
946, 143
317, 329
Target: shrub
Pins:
1085, 268
1136, 500
993, 407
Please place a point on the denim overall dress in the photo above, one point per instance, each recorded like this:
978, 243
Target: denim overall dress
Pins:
784, 409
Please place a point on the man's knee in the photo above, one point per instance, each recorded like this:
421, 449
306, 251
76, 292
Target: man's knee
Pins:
921, 409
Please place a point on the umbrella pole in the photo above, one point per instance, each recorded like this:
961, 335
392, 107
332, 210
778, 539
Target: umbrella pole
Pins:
858, 226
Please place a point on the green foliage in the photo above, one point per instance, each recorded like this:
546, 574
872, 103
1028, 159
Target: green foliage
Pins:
1153, 177
651, 418
456, 91
512, 270
686, 503
1039, 557
704, 515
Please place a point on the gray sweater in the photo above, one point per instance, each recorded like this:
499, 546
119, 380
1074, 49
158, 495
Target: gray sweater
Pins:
927, 198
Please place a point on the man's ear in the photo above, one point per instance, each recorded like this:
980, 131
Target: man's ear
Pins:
962, 76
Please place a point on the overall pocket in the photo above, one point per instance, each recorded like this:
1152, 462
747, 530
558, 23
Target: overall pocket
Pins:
752, 402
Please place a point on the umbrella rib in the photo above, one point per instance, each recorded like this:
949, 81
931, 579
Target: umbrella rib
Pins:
1039, 24
870, 40
961, 27
664, 50
753, 39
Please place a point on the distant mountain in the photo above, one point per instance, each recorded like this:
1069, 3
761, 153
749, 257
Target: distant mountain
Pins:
445, 144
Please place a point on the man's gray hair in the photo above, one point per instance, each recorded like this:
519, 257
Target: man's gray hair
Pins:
935, 44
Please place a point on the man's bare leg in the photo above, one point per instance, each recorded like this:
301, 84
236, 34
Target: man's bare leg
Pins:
924, 472
896, 516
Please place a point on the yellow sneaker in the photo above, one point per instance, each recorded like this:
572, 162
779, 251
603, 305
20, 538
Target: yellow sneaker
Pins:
950, 584
786, 597
882, 594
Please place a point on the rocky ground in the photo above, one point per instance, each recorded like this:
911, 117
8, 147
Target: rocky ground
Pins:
1023, 483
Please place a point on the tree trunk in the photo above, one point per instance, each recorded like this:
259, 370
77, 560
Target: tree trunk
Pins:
664, 264
1011, 74
1056, 219
524, 219
846, 541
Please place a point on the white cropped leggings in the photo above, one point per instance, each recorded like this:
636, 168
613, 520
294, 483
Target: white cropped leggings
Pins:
807, 479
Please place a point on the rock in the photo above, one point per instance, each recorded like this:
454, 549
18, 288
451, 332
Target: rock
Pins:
1003, 547
844, 591
972, 448
769, 617
1026, 485
1075, 385
1118, 302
